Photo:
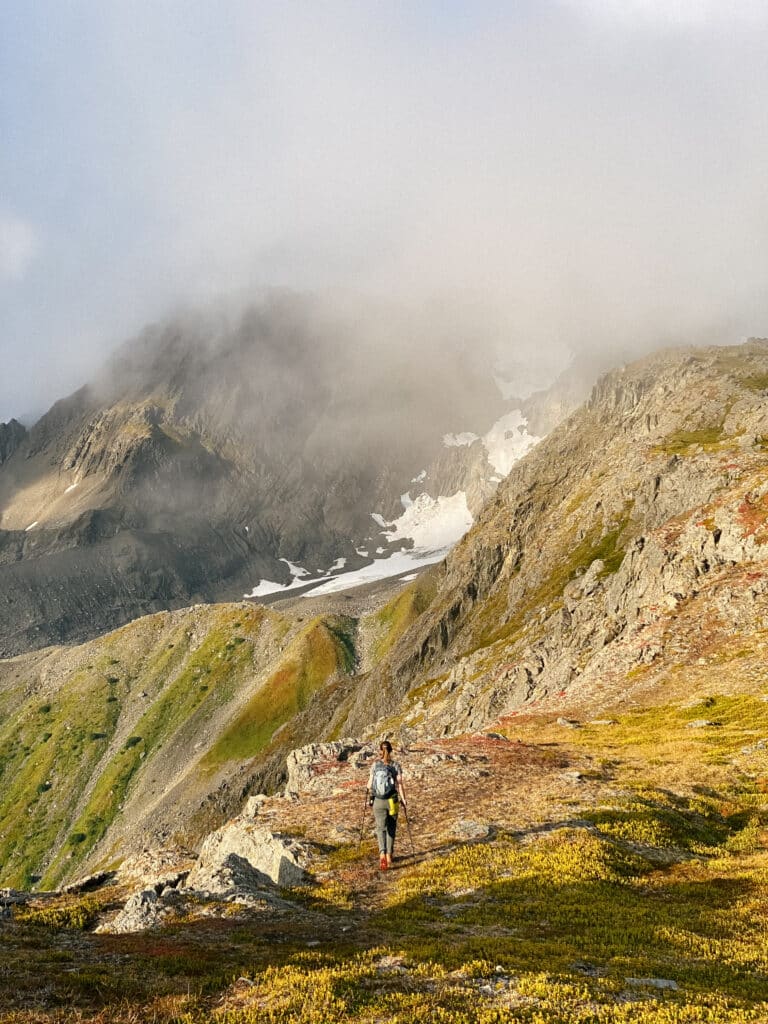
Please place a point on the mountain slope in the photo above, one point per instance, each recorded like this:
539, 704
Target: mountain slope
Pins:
643, 512
213, 454
154, 733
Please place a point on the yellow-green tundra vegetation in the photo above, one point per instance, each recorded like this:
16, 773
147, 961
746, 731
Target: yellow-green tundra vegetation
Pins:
644, 902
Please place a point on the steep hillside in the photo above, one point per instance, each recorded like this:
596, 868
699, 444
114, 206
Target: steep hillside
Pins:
627, 551
154, 733
217, 457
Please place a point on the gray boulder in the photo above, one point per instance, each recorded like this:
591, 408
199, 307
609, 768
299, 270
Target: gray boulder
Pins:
305, 765
143, 910
241, 852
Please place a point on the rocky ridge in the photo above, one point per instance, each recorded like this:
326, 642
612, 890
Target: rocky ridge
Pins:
643, 512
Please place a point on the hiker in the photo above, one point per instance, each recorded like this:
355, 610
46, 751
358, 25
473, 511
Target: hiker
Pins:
385, 794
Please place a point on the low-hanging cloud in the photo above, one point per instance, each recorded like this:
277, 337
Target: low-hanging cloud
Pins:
561, 176
18, 246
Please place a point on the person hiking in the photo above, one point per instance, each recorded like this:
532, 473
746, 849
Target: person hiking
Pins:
385, 794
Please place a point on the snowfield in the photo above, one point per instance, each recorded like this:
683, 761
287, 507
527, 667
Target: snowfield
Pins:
433, 525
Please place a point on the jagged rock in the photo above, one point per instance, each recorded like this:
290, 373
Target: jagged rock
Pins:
143, 911
274, 859
569, 723
236, 880
253, 805
11, 436
701, 723
305, 764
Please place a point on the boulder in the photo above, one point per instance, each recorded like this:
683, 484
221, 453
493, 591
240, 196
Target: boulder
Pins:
243, 852
142, 911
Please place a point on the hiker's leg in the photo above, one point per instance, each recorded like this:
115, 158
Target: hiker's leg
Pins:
380, 809
391, 829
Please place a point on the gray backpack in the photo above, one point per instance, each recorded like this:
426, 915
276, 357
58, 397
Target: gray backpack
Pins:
383, 785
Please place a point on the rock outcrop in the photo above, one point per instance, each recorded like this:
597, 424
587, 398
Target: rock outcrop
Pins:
244, 855
11, 436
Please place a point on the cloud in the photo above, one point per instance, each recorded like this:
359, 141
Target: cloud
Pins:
18, 246
673, 14
562, 174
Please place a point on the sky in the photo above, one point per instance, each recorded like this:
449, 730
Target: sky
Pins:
567, 174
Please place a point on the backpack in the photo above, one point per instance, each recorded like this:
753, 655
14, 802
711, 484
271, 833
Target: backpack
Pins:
383, 785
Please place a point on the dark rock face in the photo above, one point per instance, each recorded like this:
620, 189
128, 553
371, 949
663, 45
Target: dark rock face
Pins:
11, 436
208, 454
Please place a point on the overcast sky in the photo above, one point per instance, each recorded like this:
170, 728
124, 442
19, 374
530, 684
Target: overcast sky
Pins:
580, 172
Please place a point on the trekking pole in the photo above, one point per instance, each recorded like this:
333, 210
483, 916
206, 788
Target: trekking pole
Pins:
362, 821
410, 834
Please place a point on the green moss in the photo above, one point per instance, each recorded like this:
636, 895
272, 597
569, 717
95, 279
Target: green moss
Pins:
755, 382
680, 442
78, 913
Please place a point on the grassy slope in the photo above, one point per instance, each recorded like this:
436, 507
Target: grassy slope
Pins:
74, 752
321, 651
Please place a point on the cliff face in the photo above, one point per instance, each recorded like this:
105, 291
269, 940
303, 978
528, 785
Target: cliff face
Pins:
633, 539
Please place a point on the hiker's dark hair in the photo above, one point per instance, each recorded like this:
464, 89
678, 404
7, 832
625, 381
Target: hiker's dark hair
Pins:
386, 749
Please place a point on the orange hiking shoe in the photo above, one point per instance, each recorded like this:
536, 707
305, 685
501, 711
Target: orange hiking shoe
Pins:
383, 862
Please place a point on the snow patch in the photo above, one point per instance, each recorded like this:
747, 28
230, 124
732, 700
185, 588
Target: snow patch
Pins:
406, 500
31, 526
420, 478
433, 524
338, 564
459, 440
381, 569
71, 488
265, 587
296, 570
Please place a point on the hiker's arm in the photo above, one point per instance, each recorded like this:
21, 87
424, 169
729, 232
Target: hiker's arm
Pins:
400, 789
